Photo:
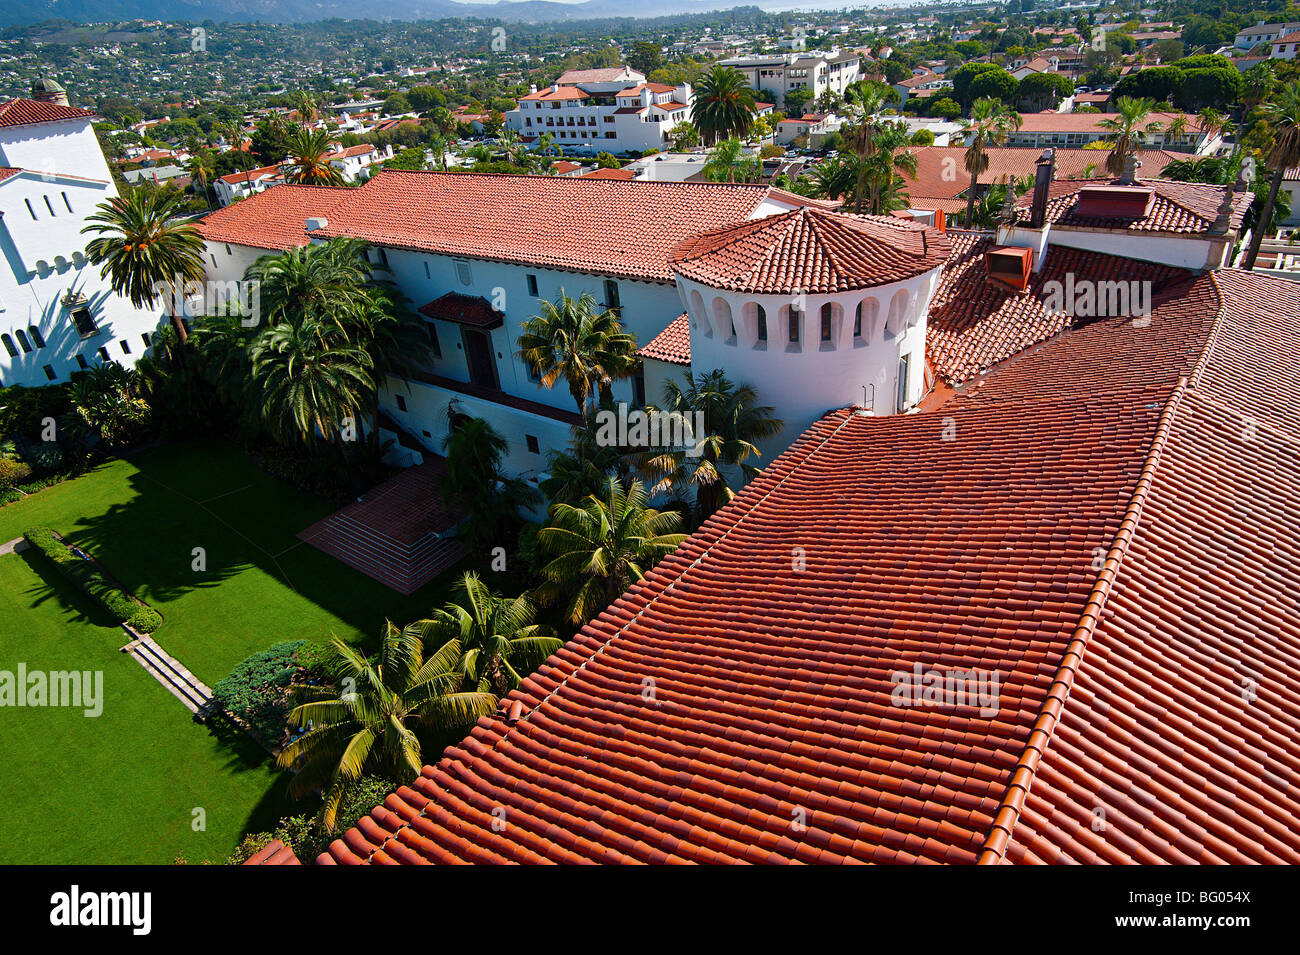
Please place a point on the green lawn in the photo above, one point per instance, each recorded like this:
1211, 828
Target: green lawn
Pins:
122, 787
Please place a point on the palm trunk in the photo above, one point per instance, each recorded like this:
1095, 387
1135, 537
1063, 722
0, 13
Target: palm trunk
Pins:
173, 312
1265, 216
970, 199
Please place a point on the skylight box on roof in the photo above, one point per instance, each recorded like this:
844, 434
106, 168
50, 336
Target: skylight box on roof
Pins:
1115, 202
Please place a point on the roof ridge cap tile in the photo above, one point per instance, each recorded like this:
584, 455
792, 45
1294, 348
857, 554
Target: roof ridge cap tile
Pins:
1049, 715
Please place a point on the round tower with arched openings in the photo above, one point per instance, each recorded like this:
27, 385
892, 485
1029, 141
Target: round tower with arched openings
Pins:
816, 310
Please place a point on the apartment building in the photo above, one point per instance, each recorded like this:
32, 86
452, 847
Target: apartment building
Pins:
609, 110
817, 72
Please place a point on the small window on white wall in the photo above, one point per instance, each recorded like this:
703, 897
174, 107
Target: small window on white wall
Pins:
904, 381
462, 272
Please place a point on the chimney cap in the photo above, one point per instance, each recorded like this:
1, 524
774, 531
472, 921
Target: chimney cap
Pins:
316, 222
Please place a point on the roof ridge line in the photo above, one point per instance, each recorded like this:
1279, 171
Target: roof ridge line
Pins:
1022, 777
623, 626
1212, 340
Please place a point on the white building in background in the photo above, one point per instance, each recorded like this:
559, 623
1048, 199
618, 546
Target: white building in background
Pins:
354, 162
818, 72
56, 314
611, 110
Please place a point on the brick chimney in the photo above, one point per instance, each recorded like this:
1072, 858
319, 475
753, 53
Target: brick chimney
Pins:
1043, 174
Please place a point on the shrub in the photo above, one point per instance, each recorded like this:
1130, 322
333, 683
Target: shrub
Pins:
145, 620
256, 689
13, 471
8, 495
92, 581
314, 658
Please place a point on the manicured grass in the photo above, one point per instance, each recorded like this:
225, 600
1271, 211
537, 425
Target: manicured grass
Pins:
122, 787
143, 517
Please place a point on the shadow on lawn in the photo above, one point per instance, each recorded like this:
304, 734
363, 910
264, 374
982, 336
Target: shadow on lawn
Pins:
78, 607
148, 540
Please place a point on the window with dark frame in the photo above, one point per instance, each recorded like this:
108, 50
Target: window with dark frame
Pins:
826, 322
532, 284
83, 320
796, 318
762, 322
37, 338
49, 372
401, 402
532, 444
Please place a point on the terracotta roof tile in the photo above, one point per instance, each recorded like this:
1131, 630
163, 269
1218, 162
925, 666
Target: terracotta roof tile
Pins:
974, 324
1182, 207
273, 219
29, 112
775, 695
471, 310
812, 250
579, 224
274, 853
672, 345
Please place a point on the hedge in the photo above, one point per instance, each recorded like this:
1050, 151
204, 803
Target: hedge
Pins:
87, 575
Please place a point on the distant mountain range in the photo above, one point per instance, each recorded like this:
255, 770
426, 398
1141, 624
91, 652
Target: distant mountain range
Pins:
302, 11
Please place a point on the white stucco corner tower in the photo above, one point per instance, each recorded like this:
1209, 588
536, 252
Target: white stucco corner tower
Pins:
816, 310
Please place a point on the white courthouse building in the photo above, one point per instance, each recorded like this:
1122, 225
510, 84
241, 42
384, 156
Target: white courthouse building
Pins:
609, 110
56, 314
818, 72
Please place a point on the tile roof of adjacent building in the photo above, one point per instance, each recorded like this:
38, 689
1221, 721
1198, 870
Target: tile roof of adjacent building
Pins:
618, 228
608, 74
1178, 207
777, 684
274, 853
973, 324
940, 170
1051, 122
274, 219
555, 95
812, 250
672, 345
29, 112
251, 175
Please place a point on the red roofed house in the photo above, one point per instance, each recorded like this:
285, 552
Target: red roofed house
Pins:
1080, 129
609, 110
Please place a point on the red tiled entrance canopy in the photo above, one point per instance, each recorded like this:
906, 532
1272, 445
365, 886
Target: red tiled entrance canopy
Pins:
471, 310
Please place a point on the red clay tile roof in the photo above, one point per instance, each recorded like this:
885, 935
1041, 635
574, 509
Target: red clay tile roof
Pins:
811, 250
1049, 122
465, 309
274, 219
941, 171
601, 75
613, 175
775, 730
29, 112
7, 171
1182, 207
974, 324
274, 853
579, 224
672, 345
562, 93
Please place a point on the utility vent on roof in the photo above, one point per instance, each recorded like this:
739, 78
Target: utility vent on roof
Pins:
1009, 267
1114, 202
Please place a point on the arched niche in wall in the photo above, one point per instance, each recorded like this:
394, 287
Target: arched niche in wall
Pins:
723, 324
698, 318
756, 324
866, 322
896, 323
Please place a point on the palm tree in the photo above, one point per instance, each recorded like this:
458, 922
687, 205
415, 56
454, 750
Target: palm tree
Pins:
836, 178
1130, 127
474, 481
438, 146
304, 105
576, 340
1175, 130
602, 546
311, 381
1283, 116
991, 121
728, 163
142, 253
724, 105
862, 102
890, 159
513, 149
444, 122
500, 642
733, 422
375, 724
199, 179
323, 282
310, 152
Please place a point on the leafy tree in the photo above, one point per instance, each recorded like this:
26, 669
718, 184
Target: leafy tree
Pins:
412, 159
964, 75
644, 57
602, 546
1159, 84
994, 84
372, 721
1044, 90
1209, 87
728, 163
945, 108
